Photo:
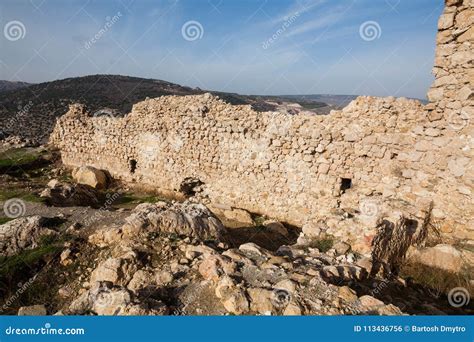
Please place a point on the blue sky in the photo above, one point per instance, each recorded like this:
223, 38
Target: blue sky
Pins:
250, 47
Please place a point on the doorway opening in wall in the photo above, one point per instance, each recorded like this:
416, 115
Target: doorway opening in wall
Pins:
346, 184
132, 164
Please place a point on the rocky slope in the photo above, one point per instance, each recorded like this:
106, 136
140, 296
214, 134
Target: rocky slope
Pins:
169, 257
8, 85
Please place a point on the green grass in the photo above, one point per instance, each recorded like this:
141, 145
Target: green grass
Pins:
439, 280
18, 157
137, 199
6, 194
4, 220
323, 244
258, 220
28, 258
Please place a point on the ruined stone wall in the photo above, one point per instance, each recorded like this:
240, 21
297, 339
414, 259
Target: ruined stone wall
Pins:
335, 173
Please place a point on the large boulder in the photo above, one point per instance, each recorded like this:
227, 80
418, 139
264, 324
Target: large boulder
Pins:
441, 256
22, 233
103, 298
60, 194
91, 176
185, 219
33, 310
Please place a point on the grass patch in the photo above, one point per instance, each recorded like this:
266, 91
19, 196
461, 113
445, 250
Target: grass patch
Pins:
438, 280
258, 220
6, 194
26, 259
129, 198
18, 157
4, 220
322, 244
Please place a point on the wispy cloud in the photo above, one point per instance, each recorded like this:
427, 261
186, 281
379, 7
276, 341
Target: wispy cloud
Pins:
300, 7
321, 21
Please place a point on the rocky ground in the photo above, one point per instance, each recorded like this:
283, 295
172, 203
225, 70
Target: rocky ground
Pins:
81, 244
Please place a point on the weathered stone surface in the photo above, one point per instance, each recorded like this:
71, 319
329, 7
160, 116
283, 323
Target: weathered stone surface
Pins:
442, 256
188, 219
90, 176
66, 195
118, 271
22, 233
34, 310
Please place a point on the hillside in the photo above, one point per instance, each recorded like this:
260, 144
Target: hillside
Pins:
37, 106
8, 85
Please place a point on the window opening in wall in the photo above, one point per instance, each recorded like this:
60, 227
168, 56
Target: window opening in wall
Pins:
346, 183
132, 165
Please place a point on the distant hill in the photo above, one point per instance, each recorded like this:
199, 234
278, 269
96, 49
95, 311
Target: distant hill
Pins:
31, 111
8, 85
339, 101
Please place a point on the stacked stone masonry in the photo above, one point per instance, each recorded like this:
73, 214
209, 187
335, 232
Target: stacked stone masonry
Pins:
337, 173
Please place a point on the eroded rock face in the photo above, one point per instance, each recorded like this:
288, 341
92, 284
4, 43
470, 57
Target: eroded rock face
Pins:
22, 233
66, 195
186, 219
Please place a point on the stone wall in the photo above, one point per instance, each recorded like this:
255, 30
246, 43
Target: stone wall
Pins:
336, 173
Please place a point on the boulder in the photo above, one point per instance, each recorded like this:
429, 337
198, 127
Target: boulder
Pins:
22, 233
275, 227
33, 310
118, 271
91, 176
261, 300
185, 219
442, 256
236, 303
341, 247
